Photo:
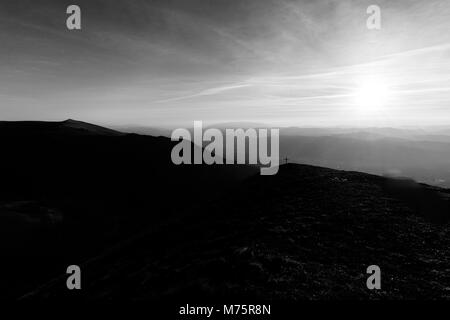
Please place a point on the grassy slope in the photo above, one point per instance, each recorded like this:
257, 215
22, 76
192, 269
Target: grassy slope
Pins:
306, 233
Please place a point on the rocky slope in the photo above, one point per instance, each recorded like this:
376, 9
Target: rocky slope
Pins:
306, 233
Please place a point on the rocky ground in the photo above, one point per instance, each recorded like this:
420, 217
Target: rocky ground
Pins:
306, 233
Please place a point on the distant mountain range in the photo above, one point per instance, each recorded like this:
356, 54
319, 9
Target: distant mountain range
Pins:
420, 154
424, 161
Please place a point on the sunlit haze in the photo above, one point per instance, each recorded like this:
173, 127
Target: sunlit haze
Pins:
285, 63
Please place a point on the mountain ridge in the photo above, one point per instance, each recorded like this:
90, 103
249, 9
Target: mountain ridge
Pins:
66, 127
147, 229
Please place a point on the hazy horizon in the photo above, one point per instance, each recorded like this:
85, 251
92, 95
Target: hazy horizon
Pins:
236, 124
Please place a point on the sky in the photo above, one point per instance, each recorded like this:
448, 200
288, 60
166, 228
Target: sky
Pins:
279, 62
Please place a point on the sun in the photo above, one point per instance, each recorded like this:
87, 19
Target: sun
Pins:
371, 95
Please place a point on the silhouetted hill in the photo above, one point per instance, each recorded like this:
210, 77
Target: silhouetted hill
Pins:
306, 233
69, 189
41, 128
143, 228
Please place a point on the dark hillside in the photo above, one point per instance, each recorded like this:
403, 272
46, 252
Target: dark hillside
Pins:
306, 233
70, 189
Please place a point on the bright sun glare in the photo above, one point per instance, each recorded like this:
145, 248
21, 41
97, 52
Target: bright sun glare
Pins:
371, 95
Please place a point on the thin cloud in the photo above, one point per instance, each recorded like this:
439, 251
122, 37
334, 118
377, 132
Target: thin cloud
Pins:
206, 92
